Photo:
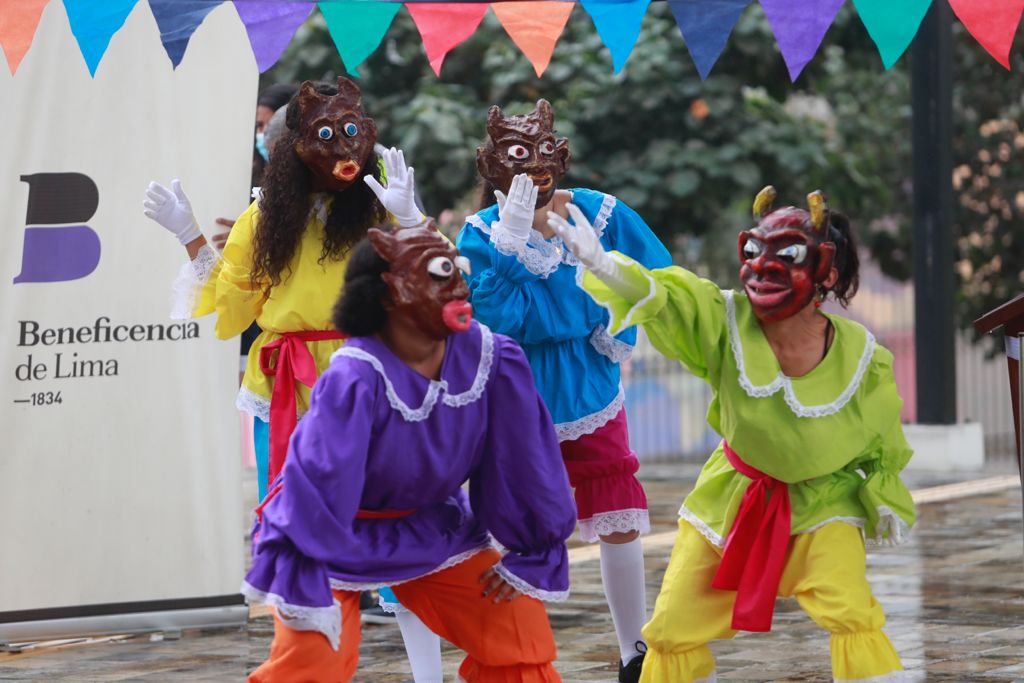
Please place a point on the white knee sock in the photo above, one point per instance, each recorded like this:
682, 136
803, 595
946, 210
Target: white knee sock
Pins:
423, 647
622, 573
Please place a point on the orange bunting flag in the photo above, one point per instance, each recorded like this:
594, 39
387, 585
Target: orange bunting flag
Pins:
534, 27
444, 25
993, 23
18, 22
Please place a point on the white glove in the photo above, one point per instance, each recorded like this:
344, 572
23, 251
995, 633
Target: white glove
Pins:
171, 209
583, 242
515, 212
399, 195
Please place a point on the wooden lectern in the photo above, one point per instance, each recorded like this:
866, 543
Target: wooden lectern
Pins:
1010, 316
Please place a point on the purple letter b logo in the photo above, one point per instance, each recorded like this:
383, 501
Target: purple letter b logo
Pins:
58, 245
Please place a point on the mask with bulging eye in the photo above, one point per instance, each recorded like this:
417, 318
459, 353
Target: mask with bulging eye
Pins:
524, 144
786, 256
425, 279
335, 138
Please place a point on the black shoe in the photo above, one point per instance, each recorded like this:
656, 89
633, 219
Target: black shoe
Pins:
630, 673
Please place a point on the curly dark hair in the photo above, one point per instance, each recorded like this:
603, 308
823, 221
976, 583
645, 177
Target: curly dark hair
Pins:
284, 206
359, 311
846, 262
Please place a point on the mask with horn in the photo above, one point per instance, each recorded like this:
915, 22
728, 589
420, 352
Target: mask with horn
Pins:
335, 137
787, 256
524, 144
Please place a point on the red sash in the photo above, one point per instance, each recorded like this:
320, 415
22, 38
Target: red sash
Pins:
755, 552
293, 363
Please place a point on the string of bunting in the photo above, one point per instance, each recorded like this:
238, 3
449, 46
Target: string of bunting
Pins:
357, 27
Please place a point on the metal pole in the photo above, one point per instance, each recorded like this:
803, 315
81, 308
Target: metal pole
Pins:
932, 97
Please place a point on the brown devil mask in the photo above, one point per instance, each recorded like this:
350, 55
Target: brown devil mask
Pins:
424, 279
524, 144
335, 138
786, 256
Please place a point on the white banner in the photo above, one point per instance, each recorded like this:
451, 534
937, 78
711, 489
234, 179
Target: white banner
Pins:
120, 466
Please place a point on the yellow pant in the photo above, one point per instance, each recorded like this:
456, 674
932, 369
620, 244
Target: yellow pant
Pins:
826, 571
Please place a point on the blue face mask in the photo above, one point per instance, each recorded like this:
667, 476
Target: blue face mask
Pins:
261, 147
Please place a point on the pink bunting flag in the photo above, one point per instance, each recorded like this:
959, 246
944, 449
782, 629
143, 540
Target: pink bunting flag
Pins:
445, 25
270, 26
799, 27
993, 23
19, 20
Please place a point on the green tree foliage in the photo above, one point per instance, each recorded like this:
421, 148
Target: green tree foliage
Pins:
691, 155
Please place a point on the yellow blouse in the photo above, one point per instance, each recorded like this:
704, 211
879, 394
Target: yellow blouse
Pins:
302, 302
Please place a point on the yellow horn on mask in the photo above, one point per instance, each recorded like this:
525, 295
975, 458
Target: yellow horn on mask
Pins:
818, 205
763, 201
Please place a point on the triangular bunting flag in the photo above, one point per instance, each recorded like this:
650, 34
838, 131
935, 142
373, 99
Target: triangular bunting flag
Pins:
706, 25
993, 23
892, 25
178, 20
94, 24
618, 24
18, 22
357, 28
534, 27
444, 25
270, 26
800, 26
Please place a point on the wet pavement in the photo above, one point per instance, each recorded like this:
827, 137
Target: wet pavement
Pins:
954, 598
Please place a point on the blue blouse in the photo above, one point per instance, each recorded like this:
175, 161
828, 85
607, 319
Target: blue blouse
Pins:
530, 293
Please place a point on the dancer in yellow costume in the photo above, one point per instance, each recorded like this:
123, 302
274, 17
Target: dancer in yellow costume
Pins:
812, 450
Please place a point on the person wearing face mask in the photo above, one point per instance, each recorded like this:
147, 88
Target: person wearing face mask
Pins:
420, 400
812, 450
524, 284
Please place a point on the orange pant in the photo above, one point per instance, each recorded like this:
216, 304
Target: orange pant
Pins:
508, 642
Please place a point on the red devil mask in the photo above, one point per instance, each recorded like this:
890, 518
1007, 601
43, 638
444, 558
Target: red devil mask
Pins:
786, 255
335, 138
424, 279
524, 144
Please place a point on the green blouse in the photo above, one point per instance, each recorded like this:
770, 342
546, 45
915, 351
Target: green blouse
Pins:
834, 434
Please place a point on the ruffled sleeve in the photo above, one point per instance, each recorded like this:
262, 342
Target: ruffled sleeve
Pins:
307, 521
225, 287
521, 492
886, 499
512, 299
682, 314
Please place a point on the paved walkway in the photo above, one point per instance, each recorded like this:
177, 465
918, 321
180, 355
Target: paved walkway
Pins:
954, 598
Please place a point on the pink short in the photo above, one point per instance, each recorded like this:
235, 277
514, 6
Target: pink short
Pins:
602, 469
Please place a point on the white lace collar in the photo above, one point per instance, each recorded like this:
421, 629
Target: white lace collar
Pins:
785, 383
436, 387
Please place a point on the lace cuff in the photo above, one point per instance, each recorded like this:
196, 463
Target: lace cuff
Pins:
617, 521
527, 589
889, 507
607, 345
588, 424
191, 279
325, 620
536, 255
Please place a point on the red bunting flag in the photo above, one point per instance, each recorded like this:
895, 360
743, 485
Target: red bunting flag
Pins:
444, 25
18, 22
993, 23
534, 27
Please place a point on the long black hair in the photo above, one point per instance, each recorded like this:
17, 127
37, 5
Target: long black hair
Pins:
846, 261
284, 206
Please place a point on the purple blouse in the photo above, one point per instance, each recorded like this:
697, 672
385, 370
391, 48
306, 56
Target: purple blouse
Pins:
380, 436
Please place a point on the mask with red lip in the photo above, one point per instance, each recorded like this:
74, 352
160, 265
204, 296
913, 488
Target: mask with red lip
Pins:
335, 138
424, 279
524, 144
786, 256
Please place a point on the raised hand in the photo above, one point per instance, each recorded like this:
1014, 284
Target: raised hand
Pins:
515, 212
399, 196
580, 239
170, 208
